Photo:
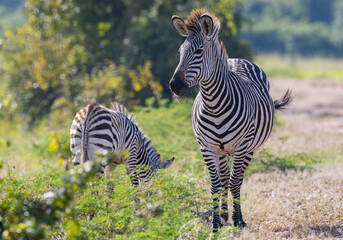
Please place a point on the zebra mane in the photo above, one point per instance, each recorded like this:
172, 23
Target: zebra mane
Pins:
115, 106
193, 20
151, 150
193, 24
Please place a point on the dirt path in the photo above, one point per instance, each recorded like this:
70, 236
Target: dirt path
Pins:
314, 121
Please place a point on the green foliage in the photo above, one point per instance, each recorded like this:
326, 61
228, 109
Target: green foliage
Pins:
130, 87
155, 210
24, 215
25, 218
55, 144
75, 52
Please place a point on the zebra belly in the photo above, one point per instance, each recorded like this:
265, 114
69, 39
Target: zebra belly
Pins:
221, 148
223, 140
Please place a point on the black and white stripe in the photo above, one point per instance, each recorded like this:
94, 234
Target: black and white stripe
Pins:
233, 112
96, 129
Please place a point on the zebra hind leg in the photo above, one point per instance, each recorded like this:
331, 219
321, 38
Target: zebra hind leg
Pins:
224, 178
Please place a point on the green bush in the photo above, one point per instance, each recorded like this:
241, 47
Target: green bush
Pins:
24, 214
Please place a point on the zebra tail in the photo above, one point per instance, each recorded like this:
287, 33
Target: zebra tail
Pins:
84, 134
281, 104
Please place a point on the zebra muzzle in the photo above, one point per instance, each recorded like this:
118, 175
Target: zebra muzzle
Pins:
177, 84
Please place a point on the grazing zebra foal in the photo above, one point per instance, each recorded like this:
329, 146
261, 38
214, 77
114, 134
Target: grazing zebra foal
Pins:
96, 128
233, 112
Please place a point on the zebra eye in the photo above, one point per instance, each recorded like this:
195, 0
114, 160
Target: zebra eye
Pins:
198, 51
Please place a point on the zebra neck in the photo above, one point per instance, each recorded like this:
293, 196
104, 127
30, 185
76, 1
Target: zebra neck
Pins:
215, 91
152, 157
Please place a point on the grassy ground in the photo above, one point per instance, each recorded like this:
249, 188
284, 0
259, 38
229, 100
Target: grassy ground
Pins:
289, 191
300, 67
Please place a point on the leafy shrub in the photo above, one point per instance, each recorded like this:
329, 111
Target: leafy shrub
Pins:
85, 207
24, 216
154, 210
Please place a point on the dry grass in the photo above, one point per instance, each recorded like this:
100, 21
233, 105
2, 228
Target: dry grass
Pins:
314, 121
296, 205
278, 205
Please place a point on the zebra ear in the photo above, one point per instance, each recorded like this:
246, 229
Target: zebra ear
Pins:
206, 22
167, 163
180, 26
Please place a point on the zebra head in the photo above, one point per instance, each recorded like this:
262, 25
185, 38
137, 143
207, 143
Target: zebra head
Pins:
197, 58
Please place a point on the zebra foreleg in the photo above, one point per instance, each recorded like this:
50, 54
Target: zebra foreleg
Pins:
212, 162
224, 171
131, 166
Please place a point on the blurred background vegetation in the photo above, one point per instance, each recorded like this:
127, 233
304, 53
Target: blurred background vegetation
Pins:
301, 27
58, 55
69, 53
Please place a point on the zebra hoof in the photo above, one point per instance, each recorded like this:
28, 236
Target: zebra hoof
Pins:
224, 218
239, 223
216, 227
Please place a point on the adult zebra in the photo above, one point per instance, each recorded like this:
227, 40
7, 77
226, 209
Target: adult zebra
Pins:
233, 112
96, 128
